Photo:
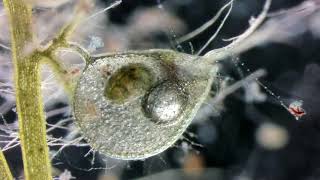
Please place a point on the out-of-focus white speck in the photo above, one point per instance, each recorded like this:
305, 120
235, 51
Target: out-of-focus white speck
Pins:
66, 175
253, 93
95, 43
271, 136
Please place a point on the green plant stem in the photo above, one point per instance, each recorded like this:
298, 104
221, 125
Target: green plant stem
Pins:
60, 42
32, 129
5, 173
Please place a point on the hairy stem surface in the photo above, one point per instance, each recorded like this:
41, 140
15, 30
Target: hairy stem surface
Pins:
32, 129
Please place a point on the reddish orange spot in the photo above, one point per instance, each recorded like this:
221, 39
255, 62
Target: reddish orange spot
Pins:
193, 165
295, 108
297, 111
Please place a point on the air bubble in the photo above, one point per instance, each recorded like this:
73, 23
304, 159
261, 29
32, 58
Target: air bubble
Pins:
166, 102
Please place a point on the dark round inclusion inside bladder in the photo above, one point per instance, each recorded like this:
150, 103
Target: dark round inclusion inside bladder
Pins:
129, 81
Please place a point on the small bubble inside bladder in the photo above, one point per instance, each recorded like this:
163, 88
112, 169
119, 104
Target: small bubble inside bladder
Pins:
165, 103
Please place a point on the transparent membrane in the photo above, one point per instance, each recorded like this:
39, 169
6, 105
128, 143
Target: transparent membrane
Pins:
137, 104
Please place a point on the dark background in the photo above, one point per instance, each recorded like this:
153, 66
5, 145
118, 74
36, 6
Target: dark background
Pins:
293, 73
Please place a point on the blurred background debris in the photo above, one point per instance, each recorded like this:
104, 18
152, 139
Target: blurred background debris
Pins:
252, 134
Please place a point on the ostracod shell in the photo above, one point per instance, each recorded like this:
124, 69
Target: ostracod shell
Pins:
135, 105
